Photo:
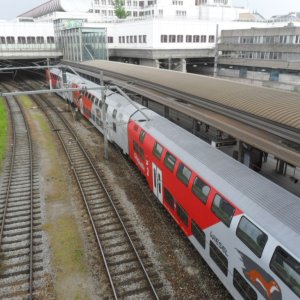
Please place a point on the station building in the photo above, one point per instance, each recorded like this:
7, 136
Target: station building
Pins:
263, 56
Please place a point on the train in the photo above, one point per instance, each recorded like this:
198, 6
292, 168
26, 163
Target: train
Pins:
245, 227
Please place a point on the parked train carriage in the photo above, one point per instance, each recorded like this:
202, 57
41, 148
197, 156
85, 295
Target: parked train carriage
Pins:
228, 211
245, 227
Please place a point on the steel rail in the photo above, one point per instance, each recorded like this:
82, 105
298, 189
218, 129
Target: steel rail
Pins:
283, 131
31, 188
87, 205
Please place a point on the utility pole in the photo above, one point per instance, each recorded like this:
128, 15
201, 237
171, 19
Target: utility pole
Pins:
216, 52
103, 96
50, 82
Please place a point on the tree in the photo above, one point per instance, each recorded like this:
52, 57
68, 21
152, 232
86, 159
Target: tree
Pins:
120, 11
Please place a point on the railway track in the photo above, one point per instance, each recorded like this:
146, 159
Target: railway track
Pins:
21, 263
129, 270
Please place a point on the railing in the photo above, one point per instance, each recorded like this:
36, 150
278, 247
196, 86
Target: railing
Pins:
26, 47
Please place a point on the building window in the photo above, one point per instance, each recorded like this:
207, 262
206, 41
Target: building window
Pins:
161, 12
40, 40
21, 40
211, 39
287, 269
144, 39
135, 39
200, 189
172, 38
243, 287
110, 39
196, 38
219, 258
199, 234
203, 38
163, 38
120, 40
50, 39
30, 40
223, 209
188, 38
183, 174
180, 13
251, 236
170, 161
180, 38
2, 40
97, 2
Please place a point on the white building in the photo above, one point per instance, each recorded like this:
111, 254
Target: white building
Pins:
173, 34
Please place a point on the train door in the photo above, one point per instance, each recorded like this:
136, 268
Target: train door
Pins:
157, 182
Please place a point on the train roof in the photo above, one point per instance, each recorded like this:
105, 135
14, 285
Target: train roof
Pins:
269, 205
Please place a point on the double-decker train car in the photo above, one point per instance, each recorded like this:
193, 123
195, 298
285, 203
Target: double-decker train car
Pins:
245, 227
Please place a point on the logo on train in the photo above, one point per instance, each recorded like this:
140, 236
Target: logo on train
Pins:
259, 278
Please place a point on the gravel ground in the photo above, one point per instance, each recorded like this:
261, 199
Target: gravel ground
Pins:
184, 273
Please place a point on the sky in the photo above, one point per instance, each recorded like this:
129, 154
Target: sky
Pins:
9, 9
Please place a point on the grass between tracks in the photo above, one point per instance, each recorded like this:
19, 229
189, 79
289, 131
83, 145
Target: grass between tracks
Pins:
66, 247
3, 130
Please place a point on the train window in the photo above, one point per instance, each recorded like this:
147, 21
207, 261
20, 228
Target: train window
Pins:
114, 127
199, 234
100, 104
158, 150
223, 209
183, 174
142, 136
93, 99
96, 101
135, 147
182, 214
243, 287
287, 269
219, 258
93, 117
200, 189
251, 236
114, 114
106, 107
142, 155
169, 198
170, 161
